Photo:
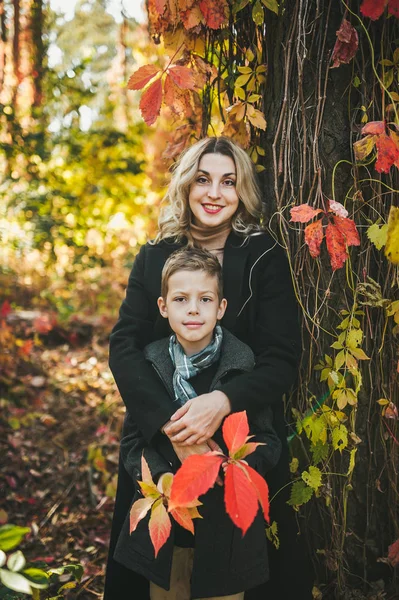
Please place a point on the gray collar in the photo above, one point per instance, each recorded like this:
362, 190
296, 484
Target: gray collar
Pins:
235, 356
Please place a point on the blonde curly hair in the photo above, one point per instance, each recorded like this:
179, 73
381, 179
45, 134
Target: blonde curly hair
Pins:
175, 216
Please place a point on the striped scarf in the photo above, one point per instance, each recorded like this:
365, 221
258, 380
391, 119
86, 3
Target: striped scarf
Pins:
187, 367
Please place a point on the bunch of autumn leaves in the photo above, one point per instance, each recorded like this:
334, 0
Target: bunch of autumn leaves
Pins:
177, 495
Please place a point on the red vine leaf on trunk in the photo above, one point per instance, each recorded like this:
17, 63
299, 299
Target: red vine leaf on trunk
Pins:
159, 525
387, 153
150, 103
142, 76
182, 76
336, 247
240, 497
348, 229
313, 237
191, 17
393, 8
374, 127
215, 13
373, 8
346, 44
196, 476
303, 213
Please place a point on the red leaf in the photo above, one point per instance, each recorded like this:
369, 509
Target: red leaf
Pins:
373, 8
262, 490
303, 213
337, 208
240, 497
183, 77
374, 127
387, 153
346, 45
235, 431
142, 76
348, 229
197, 474
336, 246
314, 236
182, 516
393, 8
160, 6
159, 525
138, 511
5, 309
150, 103
176, 98
191, 17
215, 12
393, 553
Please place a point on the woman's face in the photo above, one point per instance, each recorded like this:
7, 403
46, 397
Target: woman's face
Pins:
213, 198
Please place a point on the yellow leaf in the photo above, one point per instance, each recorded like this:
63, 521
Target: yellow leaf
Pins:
339, 360
359, 354
382, 401
241, 80
339, 438
354, 338
312, 477
392, 245
378, 235
245, 70
392, 308
363, 147
239, 92
256, 117
294, 465
258, 15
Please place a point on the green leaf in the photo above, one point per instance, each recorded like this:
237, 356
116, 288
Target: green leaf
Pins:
272, 535
339, 437
239, 92
15, 581
359, 354
352, 461
378, 235
300, 494
388, 78
356, 81
237, 6
312, 477
339, 360
315, 428
258, 15
37, 577
11, 536
319, 452
344, 324
16, 561
75, 570
294, 465
271, 5
337, 346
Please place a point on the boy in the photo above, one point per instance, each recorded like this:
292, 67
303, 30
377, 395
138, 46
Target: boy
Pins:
196, 359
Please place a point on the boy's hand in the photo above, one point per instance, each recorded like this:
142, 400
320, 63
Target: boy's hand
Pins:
198, 419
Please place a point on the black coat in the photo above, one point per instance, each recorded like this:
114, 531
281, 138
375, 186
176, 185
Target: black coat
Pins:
225, 562
263, 313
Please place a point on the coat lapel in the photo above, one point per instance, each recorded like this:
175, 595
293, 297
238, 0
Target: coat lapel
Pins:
234, 260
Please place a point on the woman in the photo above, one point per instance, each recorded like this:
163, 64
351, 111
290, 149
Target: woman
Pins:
213, 201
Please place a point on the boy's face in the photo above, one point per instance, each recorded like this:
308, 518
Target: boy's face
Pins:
193, 308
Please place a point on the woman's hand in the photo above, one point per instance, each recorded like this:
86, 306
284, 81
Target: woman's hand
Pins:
198, 419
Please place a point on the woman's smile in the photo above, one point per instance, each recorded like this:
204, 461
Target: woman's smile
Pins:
212, 208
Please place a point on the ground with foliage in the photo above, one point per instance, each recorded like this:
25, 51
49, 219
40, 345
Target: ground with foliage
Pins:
60, 447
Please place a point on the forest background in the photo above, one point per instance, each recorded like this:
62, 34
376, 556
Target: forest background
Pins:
95, 105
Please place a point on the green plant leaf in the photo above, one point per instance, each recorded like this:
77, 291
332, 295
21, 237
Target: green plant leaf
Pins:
258, 15
11, 536
312, 477
272, 535
319, 452
300, 494
15, 581
378, 235
271, 5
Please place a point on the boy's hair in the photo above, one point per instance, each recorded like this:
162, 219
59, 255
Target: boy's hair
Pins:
192, 259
